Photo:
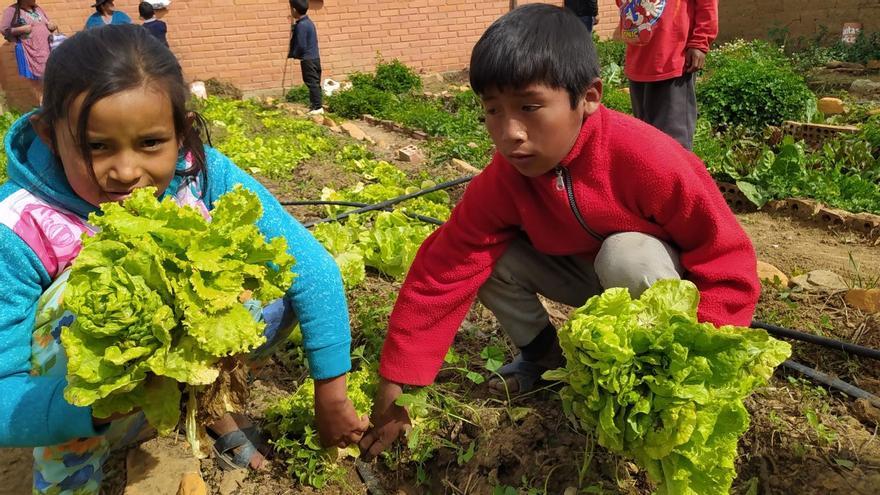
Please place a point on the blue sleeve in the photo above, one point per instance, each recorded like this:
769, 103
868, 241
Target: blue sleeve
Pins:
91, 22
120, 17
33, 411
317, 293
301, 42
313, 40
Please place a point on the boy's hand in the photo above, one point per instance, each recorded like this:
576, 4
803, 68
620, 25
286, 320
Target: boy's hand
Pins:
338, 422
51, 26
389, 420
694, 59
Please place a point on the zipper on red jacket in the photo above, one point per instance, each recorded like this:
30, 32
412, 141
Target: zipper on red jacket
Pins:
563, 182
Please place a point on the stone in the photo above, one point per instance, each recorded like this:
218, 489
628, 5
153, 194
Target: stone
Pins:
157, 466
831, 106
472, 145
192, 484
410, 154
231, 481
437, 77
837, 64
327, 121
336, 129
873, 64
769, 273
826, 279
467, 167
625, 90
354, 131
865, 87
570, 491
318, 119
270, 100
867, 300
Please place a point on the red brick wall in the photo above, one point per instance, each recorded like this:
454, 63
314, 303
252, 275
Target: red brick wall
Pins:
245, 41
755, 18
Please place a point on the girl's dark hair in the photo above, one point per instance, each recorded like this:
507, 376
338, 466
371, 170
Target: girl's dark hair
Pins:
535, 43
109, 60
301, 6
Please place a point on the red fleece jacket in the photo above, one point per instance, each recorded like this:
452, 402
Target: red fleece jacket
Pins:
682, 24
627, 177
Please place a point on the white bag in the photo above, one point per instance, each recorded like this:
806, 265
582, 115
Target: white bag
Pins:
330, 86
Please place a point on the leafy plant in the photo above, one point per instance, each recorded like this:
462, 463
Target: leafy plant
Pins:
157, 293
6, 121
610, 51
298, 94
752, 84
397, 78
616, 99
654, 384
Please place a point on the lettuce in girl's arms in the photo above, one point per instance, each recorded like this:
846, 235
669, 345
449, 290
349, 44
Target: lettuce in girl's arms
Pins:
157, 294
655, 384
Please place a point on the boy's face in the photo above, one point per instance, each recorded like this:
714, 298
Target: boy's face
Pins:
294, 14
535, 127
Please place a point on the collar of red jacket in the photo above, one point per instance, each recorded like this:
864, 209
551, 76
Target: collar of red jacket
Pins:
590, 130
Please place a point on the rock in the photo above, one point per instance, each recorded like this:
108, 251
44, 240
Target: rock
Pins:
192, 484
472, 145
865, 87
318, 119
157, 466
837, 64
820, 281
327, 121
625, 90
874, 111
831, 106
770, 273
866, 412
410, 154
433, 78
873, 64
231, 481
354, 131
336, 129
383, 144
867, 300
269, 100
570, 491
467, 167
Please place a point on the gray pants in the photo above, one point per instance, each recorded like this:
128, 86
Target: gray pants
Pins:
669, 105
628, 259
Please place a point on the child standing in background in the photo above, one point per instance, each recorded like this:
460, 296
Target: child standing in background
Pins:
156, 27
304, 47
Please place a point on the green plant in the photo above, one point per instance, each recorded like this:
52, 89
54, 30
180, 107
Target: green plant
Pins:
298, 94
610, 51
752, 84
360, 100
617, 99
157, 293
654, 384
6, 121
397, 78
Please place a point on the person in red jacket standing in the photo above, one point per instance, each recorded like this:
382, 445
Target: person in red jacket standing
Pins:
577, 199
667, 44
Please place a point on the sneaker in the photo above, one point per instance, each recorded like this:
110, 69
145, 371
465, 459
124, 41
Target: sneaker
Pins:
319, 111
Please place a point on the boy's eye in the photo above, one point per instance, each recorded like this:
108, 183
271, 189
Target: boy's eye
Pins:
530, 108
491, 111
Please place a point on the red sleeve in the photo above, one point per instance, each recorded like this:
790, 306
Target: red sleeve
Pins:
442, 283
705, 25
715, 251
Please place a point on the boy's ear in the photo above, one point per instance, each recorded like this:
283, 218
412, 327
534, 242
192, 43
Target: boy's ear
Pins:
43, 131
592, 97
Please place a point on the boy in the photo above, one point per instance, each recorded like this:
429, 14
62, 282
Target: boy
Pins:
666, 44
304, 47
156, 27
586, 10
577, 199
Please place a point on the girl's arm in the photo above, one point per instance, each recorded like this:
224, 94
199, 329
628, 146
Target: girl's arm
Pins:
33, 411
317, 294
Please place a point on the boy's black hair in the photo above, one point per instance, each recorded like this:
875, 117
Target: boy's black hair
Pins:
535, 43
300, 6
145, 9
98, 63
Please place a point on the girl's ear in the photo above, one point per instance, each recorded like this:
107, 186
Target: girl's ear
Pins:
43, 130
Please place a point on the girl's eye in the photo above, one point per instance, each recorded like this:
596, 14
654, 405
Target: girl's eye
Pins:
95, 146
152, 143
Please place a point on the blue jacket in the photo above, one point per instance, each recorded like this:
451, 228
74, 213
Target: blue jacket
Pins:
304, 40
118, 17
33, 411
158, 29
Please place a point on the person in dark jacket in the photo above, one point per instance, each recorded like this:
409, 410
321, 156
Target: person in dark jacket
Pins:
304, 47
156, 27
587, 10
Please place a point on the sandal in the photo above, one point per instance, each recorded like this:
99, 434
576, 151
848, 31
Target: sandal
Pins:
233, 450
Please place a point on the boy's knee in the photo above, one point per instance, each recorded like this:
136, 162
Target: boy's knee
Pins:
635, 261
503, 278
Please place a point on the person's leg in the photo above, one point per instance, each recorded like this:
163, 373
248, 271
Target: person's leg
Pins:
669, 105
635, 261
311, 74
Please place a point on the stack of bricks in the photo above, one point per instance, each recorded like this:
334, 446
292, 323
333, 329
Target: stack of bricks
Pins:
245, 42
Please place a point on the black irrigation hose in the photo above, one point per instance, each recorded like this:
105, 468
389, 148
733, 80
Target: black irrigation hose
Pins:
423, 218
787, 333
392, 201
832, 382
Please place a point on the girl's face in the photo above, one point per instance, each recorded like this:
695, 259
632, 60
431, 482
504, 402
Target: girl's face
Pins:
133, 142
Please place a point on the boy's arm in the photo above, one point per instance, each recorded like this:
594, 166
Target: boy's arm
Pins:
300, 42
443, 281
705, 25
715, 252
33, 411
317, 294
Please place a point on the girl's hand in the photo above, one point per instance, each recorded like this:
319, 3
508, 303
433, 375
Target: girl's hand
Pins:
51, 26
26, 29
338, 422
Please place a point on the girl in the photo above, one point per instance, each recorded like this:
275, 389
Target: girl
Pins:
110, 124
28, 27
105, 15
